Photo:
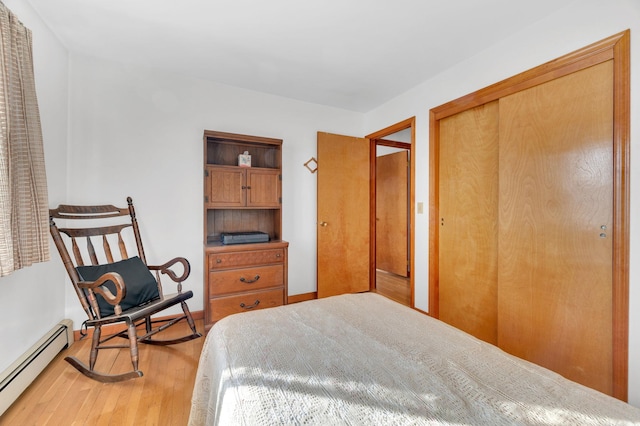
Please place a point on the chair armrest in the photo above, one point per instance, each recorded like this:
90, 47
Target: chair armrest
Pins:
164, 268
97, 286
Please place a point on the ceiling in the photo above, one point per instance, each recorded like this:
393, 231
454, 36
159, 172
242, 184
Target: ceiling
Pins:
351, 54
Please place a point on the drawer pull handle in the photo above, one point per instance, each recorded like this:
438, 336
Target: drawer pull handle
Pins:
218, 260
256, 303
244, 280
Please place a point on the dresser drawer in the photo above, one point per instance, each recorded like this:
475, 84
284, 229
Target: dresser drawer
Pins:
223, 306
245, 279
245, 258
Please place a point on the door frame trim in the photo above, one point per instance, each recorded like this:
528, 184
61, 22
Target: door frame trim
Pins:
374, 138
616, 48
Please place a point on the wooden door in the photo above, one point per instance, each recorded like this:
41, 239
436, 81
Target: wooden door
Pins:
555, 216
468, 228
343, 214
392, 192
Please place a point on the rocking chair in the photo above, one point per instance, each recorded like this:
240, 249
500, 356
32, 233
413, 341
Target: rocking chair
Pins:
114, 292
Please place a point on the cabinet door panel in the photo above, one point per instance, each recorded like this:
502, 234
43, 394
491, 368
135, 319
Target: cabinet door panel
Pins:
225, 186
264, 188
555, 216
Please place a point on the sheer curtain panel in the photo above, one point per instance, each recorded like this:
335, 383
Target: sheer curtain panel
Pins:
23, 185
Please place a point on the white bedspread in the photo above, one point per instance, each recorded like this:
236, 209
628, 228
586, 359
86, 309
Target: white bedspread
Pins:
363, 359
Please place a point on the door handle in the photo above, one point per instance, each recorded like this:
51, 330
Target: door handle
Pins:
323, 223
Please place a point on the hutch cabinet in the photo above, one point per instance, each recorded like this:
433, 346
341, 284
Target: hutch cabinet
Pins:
239, 199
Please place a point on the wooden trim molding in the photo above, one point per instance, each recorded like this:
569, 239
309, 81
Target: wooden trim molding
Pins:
616, 48
302, 297
377, 138
621, 199
583, 58
394, 128
434, 208
392, 144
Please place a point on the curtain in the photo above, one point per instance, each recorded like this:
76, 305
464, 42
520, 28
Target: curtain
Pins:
23, 186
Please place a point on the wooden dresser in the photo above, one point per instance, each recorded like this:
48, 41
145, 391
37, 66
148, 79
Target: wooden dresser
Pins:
242, 277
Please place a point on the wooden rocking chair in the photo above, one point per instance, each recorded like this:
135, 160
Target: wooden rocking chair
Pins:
115, 291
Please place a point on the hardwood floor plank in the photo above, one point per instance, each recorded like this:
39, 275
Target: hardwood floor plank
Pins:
393, 286
130, 399
54, 395
84, 414
63, 396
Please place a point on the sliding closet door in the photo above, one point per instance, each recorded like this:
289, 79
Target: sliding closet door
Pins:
555, 216
468, 203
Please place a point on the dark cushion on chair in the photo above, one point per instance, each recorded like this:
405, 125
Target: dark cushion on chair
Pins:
139, 281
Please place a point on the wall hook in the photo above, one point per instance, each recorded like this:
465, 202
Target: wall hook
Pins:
312, 169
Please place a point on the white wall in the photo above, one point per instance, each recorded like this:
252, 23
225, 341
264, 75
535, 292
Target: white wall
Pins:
32, 299
139, 132
135, 131
578, 25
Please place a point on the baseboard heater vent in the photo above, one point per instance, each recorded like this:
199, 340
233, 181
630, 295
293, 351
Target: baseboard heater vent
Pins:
15, 379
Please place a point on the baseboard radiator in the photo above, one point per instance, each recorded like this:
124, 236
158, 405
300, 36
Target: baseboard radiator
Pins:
15, 379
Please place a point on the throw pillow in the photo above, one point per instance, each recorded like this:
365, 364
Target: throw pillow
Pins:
141, 285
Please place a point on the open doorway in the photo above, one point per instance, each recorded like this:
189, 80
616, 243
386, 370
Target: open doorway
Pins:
392, 214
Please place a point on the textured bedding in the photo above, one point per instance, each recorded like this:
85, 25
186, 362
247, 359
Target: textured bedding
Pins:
363, 359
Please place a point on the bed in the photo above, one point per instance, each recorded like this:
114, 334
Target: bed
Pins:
364, 359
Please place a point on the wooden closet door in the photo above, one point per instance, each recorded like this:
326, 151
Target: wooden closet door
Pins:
468, 205
555, 216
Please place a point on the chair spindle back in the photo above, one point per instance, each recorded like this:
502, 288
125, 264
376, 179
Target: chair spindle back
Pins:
83, 225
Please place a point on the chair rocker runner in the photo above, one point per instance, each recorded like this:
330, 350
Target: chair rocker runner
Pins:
121, 291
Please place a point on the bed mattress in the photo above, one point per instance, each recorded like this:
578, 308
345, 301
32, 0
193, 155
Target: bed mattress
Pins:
364, 359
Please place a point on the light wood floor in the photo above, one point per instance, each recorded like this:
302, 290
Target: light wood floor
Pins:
393, 286
63, 396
